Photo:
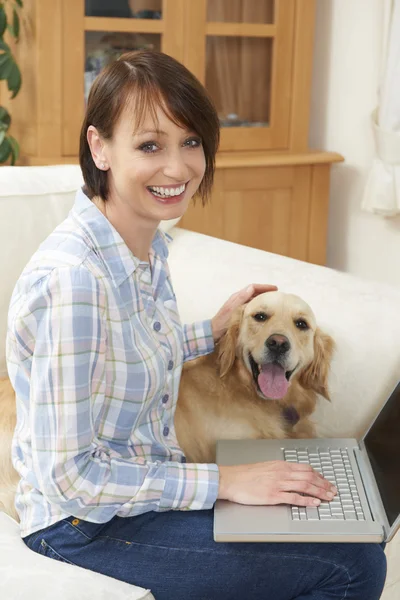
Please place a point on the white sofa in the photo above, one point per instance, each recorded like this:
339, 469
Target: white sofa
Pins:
363, 317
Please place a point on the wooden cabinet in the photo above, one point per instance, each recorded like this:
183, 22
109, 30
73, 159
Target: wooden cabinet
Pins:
255, 59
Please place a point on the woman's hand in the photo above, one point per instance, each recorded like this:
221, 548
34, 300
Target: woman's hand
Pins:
274, 482
221, 320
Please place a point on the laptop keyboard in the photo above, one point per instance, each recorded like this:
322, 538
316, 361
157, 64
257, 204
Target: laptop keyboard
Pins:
335, 466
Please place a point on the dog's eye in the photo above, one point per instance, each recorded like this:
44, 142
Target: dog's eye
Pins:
260, 316
301, 324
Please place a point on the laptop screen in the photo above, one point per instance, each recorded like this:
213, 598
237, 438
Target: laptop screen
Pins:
382, 443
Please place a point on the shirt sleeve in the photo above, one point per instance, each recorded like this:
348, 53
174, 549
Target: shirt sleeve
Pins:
197, 339
61, 334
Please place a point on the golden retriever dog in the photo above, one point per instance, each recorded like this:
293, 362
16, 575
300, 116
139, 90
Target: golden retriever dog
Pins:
261, 381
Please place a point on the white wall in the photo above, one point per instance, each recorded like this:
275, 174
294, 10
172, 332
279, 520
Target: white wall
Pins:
345, 80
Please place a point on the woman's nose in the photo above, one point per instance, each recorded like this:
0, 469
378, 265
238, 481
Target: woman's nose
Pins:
176, 167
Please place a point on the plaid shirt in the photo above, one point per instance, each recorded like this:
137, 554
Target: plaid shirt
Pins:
94, 352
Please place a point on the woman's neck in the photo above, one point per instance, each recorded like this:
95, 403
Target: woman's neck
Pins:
136, 236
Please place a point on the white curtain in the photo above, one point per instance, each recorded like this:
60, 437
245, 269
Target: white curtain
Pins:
382, 191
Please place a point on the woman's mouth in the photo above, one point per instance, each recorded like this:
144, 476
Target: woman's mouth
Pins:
168, 194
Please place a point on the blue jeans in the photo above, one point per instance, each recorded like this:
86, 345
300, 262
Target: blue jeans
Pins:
173, 553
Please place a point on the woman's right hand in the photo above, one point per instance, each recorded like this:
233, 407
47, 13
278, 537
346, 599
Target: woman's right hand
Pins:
274, 482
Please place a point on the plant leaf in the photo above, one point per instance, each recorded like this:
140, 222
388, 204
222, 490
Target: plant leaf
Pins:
4, 46
14, 149
5, 119
14, 80
19, 2
4, 58
16, 24
5, 150
2, 136
3, 20
6, 66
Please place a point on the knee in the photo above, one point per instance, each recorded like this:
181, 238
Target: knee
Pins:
367, 571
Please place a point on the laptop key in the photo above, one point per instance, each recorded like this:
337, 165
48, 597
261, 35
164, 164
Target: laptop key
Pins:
312, 513
350, 515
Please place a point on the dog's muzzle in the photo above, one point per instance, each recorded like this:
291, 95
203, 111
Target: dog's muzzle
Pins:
271, 378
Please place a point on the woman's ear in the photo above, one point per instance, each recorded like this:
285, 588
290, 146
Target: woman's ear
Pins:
96, 146
228, 343
315, 376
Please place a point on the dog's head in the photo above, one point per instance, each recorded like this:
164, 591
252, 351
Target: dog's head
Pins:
276, 339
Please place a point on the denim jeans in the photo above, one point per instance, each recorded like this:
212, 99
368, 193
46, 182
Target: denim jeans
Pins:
173, 553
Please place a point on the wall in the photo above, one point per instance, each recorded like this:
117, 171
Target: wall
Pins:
345, 79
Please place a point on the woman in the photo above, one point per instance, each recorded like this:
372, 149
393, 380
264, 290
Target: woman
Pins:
95, 352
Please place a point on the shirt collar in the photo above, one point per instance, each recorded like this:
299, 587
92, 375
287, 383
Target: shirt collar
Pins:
105, 240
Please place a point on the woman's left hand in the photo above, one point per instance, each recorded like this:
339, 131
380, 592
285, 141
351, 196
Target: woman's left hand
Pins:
220, 322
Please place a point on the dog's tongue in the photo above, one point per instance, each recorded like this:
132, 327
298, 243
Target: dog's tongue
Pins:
272, 381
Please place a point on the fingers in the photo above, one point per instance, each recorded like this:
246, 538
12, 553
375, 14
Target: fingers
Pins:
309, 488
253, 290
261, 288
302, 479
297, 499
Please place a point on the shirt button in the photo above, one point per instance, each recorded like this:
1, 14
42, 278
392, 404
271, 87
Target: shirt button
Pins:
157, 326
166, 431
165, 398
170, 365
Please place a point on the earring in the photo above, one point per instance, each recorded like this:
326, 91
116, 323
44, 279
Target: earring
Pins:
102, 165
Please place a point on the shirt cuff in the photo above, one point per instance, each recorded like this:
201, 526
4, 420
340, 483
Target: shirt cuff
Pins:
197, 339
190, 486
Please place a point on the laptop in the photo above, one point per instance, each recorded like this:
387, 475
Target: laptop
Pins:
366, 473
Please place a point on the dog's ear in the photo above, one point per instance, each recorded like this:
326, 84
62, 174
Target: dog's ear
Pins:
228, 343
315, 376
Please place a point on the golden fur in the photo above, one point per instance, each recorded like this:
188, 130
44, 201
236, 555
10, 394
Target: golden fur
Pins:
218, 396
8, 477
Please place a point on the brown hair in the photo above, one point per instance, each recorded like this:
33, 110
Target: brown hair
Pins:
151, 79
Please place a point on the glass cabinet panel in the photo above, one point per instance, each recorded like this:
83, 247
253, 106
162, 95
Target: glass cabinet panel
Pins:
103, 47
241, 11
238, 78
124, 9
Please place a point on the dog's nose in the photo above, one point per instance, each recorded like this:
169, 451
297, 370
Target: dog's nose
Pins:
278, 344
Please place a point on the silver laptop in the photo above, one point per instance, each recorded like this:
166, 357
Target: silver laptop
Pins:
366, 473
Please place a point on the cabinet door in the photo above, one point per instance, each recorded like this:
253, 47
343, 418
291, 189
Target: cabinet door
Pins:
96, 32
260, 207
242, 51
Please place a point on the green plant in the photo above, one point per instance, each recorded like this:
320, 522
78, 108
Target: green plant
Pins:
9, 71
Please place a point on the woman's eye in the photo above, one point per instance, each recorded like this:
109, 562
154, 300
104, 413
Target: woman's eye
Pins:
260, 317
301, 324
193, 142
149, 147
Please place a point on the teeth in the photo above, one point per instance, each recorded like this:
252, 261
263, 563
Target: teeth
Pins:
167, 192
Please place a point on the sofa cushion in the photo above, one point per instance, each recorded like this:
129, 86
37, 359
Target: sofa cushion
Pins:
36, 581
33, 201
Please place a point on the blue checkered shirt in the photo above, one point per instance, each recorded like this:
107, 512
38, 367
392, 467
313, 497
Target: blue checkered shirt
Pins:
95, 350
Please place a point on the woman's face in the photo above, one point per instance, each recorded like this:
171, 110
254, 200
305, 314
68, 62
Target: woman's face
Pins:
153, 170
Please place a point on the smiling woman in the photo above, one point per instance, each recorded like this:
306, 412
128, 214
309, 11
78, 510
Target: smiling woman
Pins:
148, 147
95, 351
143, 86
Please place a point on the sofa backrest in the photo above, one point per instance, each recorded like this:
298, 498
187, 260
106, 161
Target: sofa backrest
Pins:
33, 201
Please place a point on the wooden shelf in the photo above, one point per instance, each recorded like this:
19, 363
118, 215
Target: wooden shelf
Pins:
226, 160
123, 25
241, 29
